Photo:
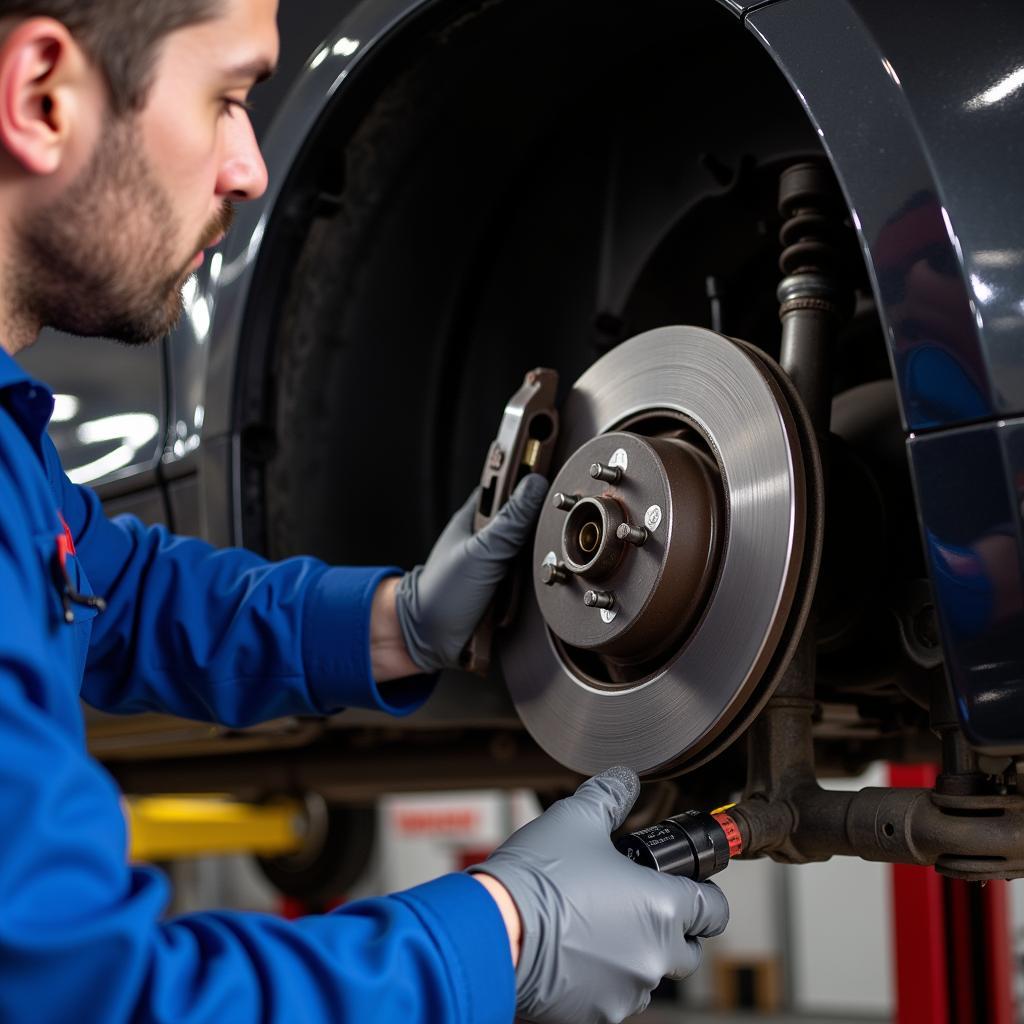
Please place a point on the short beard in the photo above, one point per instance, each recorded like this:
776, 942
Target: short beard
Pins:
99, 262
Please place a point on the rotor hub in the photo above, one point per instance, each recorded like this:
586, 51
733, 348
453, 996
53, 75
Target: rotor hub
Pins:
634, 548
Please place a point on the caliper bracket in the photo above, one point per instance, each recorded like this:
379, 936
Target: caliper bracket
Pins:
524, 444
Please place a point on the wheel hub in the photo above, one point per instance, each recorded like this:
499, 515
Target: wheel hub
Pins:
675, 560
646, 583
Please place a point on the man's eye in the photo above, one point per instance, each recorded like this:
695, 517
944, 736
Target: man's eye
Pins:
231, 105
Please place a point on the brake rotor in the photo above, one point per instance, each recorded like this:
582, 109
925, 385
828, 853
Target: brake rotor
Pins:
674, 564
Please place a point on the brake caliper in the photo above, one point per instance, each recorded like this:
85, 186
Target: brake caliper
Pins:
524, 444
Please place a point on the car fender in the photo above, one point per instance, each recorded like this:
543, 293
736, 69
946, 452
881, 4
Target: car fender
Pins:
921, 119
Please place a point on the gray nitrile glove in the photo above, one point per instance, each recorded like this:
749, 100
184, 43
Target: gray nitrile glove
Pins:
599, 932
440, 603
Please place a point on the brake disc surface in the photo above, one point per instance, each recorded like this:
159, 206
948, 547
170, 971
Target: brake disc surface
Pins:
647, 644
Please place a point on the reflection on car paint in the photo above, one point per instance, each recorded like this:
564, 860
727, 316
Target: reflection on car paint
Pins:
65, 408
932, 318
1003, 89
970, 486
129, 432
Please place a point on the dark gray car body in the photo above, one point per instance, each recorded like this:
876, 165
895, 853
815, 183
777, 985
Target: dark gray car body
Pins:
920, 109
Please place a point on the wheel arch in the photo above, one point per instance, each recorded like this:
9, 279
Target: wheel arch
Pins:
235, 305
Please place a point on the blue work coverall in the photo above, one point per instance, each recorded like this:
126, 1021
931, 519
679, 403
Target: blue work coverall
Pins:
217, 635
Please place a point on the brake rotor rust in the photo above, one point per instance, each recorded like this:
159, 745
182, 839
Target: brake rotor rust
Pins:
673, 571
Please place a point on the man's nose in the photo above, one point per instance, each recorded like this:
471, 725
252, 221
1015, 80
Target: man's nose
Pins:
243, 173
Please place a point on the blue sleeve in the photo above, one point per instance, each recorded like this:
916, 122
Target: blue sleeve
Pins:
81, 932
221, 635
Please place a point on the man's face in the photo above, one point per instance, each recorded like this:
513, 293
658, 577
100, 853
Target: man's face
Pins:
109, 256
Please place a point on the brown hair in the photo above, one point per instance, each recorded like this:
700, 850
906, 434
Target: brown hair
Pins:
121, 36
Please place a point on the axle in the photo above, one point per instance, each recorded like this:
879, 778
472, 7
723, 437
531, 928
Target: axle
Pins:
975, 838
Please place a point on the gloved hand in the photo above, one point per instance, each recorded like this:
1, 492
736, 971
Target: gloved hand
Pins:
599, 932
440, 603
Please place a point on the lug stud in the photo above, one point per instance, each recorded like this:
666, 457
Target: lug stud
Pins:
636, 535
564, 502
599, 599
552, 574
609, 474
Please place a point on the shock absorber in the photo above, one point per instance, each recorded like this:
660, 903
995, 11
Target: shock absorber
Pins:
814, 294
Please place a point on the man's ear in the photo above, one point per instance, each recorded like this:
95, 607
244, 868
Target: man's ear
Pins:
44, 77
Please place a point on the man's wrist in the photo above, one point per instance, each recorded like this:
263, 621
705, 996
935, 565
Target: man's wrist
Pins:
509, 911
389, 656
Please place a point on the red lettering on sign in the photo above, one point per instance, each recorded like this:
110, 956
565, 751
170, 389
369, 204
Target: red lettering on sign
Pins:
437, 821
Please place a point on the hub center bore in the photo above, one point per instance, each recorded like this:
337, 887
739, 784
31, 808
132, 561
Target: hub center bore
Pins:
590, 545
641, 518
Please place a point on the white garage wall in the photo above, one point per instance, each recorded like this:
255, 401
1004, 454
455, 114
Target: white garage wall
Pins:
756, 923
841, 930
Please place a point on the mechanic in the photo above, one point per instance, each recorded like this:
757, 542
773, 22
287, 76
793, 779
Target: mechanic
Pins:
125, 143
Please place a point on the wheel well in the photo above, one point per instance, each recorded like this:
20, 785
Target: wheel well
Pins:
527, 187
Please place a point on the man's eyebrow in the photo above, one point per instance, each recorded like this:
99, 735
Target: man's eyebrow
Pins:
255, 71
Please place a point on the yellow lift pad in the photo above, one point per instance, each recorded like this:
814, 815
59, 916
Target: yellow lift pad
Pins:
183, 827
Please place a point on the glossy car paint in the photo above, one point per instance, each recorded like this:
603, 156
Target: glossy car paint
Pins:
970, 489
742, 7
922, 121
109, 416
